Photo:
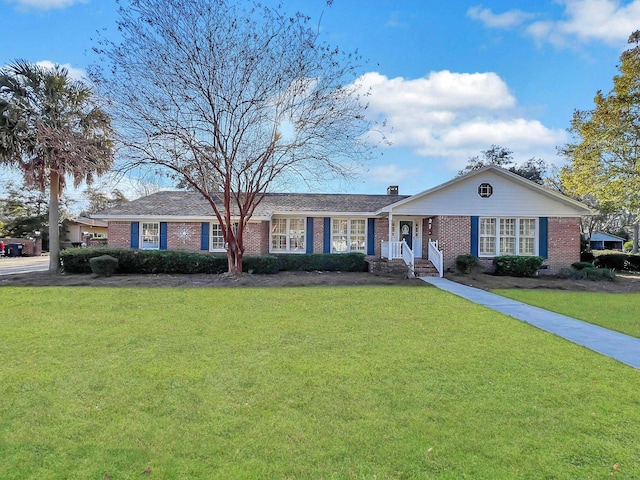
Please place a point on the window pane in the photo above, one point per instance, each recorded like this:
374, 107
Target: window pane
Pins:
217, 241
507, 246
488, 226
487, 246
527, 246
507, 227
340, 227
339, 243
527, 227
296, 234
150, 236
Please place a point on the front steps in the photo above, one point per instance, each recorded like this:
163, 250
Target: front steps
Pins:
424, 268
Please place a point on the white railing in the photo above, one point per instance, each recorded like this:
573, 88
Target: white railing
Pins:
407, 256
435, 256
397, 251
392, 250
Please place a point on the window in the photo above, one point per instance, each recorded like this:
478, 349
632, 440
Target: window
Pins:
487, 245
288, 235
348, 235
217, 240
485, 190
507, 236
150, 237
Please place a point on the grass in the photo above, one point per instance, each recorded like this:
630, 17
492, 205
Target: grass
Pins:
614, 311
361, 382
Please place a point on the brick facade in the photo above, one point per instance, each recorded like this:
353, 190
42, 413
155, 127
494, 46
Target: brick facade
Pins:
454, 238
563, 243
452, 232
256, 238
119, 234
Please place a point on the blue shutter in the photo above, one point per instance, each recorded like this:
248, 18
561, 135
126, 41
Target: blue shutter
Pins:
371, 236
204, 236
543, 237
135, 234
475, 235
309, 234
326, 247
163, 235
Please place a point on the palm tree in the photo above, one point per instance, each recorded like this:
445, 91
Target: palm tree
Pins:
52, 129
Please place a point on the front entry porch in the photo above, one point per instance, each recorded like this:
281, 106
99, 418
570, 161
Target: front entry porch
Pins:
418, 266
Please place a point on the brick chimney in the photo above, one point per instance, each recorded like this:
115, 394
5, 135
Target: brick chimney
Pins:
392, 190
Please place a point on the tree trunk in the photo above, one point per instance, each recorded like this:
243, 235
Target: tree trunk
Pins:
54, 221
636, 230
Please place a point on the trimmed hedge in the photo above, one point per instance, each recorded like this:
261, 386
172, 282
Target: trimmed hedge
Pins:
326, 262
77, 260
517, 266
466, 264
104, 265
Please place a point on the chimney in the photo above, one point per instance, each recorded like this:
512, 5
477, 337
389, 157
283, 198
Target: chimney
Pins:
392, 190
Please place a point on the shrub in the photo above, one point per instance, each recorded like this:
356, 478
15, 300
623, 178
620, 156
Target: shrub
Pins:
77, 260
634, 262
627, 247
104, 265
266, 264
614, 261
582, 265
330, 262
598, 274
517, 266
466, 264
587, 256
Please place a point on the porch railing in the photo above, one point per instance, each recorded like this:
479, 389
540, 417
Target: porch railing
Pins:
392, 250
435, 256
397, 251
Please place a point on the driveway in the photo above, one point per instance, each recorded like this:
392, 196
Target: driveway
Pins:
13, 265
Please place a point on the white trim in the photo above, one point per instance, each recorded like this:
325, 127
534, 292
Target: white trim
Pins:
287, 235
348, 235
141, 235
497, 252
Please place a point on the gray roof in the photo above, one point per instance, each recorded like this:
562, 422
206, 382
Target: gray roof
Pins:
192, 204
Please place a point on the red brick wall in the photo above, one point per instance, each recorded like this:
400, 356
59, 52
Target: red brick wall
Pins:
564, 243
184, 236
119, 235
318, 235
381, 232
454, 237
256, 238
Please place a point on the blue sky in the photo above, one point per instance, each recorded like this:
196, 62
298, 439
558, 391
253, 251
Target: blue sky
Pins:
451, 78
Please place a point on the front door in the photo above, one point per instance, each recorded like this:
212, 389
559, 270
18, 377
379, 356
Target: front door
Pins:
406, 232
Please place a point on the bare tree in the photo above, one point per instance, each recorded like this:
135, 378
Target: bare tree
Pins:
233, 98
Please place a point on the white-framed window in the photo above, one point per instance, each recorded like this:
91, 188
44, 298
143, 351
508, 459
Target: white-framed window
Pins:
217, 239
288, 235
507, 236
150, 236
348, 235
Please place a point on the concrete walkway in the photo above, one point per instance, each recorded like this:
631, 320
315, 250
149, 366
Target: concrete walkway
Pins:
616, 345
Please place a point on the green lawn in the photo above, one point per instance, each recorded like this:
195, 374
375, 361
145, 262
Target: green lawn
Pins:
361, 382
620, 312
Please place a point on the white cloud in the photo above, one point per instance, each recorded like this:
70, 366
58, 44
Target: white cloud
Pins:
590, 20
45, 4
508, 19
584, 21
453, 116
74, 73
